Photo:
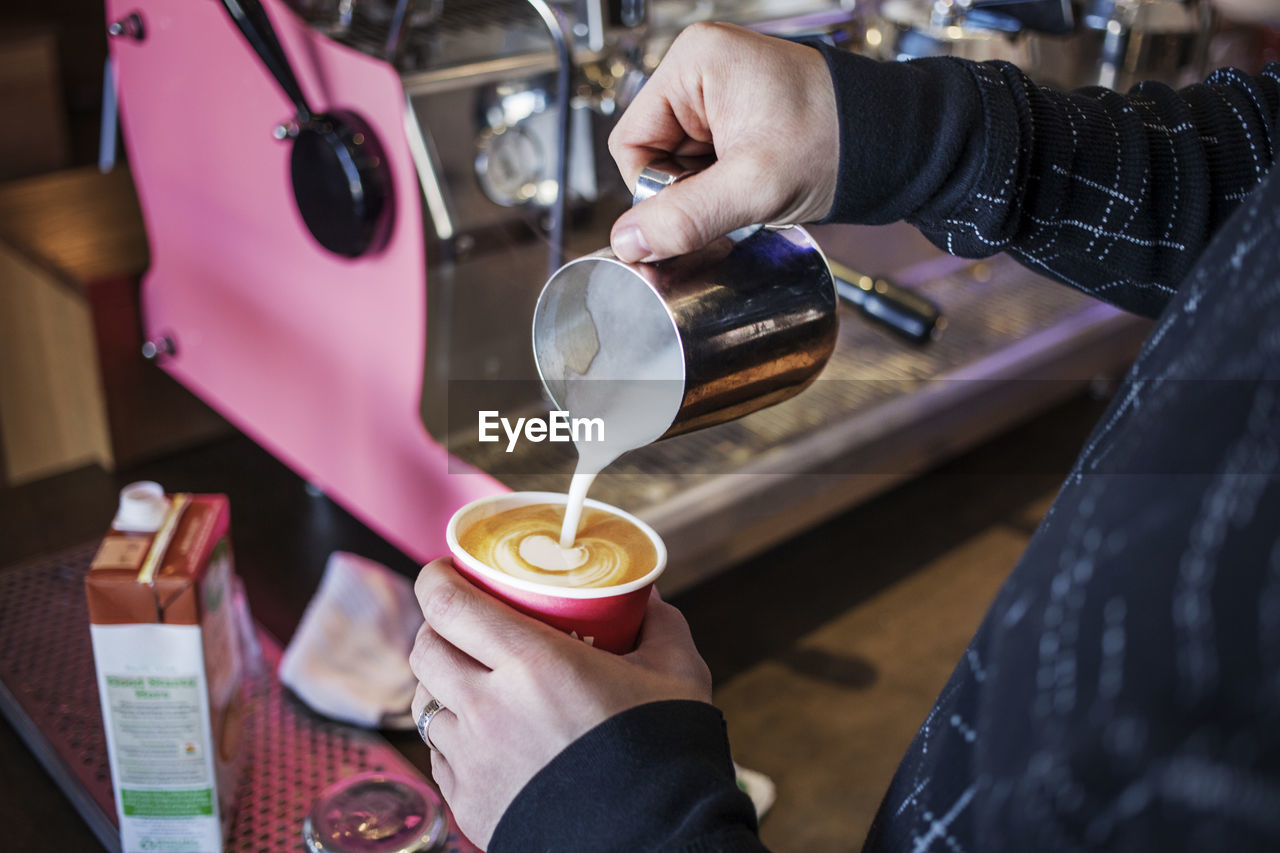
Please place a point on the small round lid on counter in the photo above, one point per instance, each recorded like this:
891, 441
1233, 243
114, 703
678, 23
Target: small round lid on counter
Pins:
376, 813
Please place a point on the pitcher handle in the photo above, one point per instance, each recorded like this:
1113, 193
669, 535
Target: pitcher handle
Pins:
665, 171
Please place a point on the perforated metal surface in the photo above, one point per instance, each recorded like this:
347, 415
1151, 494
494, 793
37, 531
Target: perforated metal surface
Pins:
49, 693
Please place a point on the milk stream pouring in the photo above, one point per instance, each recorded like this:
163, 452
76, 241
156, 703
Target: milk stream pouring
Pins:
654, 350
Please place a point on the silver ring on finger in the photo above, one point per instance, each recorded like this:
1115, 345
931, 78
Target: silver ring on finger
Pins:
424, 722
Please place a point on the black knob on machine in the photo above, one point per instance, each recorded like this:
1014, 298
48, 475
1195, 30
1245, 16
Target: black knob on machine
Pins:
341, 182
904, 312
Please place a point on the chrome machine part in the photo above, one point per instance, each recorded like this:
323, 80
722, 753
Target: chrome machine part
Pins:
401, 22
1115, 43
1138, 40
910, 29
511, 167
553, 19
884, 301
492, 125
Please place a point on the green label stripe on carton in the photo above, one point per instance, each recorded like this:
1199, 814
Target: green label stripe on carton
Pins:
167, 803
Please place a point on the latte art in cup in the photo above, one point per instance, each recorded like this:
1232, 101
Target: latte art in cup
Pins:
620, 553
524, 543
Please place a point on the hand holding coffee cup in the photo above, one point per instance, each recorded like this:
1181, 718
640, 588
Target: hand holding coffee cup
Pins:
513, 692
596, 589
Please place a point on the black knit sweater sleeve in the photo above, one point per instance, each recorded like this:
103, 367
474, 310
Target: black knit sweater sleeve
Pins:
1114, 194
655, 778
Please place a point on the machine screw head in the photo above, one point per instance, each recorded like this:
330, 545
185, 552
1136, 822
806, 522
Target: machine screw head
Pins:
130, 25
161, 346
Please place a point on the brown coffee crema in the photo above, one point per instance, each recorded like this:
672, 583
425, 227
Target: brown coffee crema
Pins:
522, 543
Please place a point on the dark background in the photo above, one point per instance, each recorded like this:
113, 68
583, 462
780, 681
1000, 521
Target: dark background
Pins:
77, 29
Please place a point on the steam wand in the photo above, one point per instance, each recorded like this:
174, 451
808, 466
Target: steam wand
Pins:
553, 19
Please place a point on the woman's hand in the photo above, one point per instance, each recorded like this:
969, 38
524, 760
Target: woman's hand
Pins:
517, 692
766, 108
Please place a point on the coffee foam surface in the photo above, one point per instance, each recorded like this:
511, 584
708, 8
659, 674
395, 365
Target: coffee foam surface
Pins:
523, 542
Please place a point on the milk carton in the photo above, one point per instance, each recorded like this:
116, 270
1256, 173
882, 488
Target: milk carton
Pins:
169, 666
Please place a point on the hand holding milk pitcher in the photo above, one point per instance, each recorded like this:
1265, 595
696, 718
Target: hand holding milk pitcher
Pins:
648, 351
730, 324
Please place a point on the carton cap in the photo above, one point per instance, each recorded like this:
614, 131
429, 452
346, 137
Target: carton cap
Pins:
142, 508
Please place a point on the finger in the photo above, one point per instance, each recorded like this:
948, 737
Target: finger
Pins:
637, 158
432, 653
664, 629
474, 622
666, 645
669, 115
430, 732
442, 732
661, 120
421, 696
448, 674
442, 774
689, 214
651, 130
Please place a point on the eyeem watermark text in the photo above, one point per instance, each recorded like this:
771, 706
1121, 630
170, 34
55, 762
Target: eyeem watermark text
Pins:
557, 426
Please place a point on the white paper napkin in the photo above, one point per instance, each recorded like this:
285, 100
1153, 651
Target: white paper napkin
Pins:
349, 658
759, 787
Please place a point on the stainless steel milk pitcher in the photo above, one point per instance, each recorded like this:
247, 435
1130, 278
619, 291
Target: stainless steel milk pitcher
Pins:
746, 322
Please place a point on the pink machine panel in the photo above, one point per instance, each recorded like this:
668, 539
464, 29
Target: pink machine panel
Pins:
317, 357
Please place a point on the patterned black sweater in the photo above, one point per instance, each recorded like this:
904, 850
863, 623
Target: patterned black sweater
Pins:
1123, 692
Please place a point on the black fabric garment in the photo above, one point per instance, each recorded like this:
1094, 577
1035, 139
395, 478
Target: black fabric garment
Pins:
656, 777
1117, 195
1123, 692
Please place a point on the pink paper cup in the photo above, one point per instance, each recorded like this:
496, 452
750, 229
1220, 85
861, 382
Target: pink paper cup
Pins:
607, 617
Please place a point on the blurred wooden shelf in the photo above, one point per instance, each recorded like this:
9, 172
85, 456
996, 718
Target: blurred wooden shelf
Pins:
78, 224
74, 388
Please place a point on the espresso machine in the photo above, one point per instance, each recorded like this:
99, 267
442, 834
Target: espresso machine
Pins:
1111, 43
362, 364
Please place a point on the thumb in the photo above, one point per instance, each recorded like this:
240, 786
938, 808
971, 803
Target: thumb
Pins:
664, 634
666, 646
686, 215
